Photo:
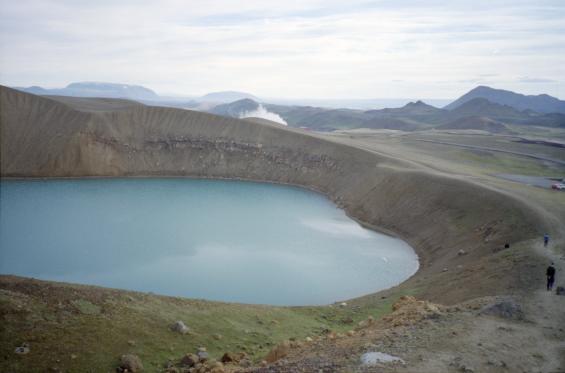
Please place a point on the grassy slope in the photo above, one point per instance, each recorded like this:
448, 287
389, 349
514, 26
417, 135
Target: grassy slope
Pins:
469, 161
97, 325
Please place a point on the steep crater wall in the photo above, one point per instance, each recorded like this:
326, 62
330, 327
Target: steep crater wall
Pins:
436, 214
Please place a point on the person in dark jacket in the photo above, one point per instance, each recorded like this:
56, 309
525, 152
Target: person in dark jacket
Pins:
550, 273
545, 239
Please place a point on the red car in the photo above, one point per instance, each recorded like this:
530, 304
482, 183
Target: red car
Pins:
558, 186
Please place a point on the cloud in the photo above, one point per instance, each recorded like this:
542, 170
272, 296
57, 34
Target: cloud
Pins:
261, 112
337, 228
526, 79
310, 48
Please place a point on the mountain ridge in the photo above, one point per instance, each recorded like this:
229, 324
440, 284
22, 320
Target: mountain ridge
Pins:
542, 103
227, 96
411, 117
96, 89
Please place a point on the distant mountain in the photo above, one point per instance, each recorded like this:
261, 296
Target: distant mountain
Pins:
36, 90
413, 112
411, 108
356, 104
323, 119
478, 113
235, 109
476, 123
486, 108
410, 117
540, 103
227, 96
247, 108
503, 113
548, 120
96, 89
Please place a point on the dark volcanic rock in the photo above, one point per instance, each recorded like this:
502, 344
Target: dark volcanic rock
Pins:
130, 363
190, 360
506, 309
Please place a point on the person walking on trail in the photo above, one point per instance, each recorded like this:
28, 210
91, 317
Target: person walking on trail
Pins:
550, 273
545, 240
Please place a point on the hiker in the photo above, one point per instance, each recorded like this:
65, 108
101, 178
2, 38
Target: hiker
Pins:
545, 240
550, 273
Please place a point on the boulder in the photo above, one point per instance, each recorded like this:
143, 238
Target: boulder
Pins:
22, 350
374, 358
408, 310
278, 352
130, 363
231, 357
190, 360
362, 324
506, 309
203, 355
180, 327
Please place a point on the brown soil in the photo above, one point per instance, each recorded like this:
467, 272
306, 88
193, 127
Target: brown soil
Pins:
434, 338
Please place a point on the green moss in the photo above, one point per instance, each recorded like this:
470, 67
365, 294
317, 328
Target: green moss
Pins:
503, 163
85, 307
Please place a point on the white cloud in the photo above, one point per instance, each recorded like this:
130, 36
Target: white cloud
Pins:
309, 48
527, 79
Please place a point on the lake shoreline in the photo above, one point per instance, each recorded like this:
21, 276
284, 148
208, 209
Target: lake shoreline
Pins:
330, 228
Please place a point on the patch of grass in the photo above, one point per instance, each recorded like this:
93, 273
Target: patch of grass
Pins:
491, 162
90, 331
85, 307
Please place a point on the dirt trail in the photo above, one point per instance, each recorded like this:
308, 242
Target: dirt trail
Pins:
550, 308
461, 338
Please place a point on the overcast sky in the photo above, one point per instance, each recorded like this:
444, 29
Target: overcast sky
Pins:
287, 48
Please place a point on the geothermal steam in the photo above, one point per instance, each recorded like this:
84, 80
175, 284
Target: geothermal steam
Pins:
261, 112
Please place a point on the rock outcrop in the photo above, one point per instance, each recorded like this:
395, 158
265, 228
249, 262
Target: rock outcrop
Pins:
130, 363
408, 310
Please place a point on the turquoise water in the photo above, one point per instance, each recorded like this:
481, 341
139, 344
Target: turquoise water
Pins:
218, 240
